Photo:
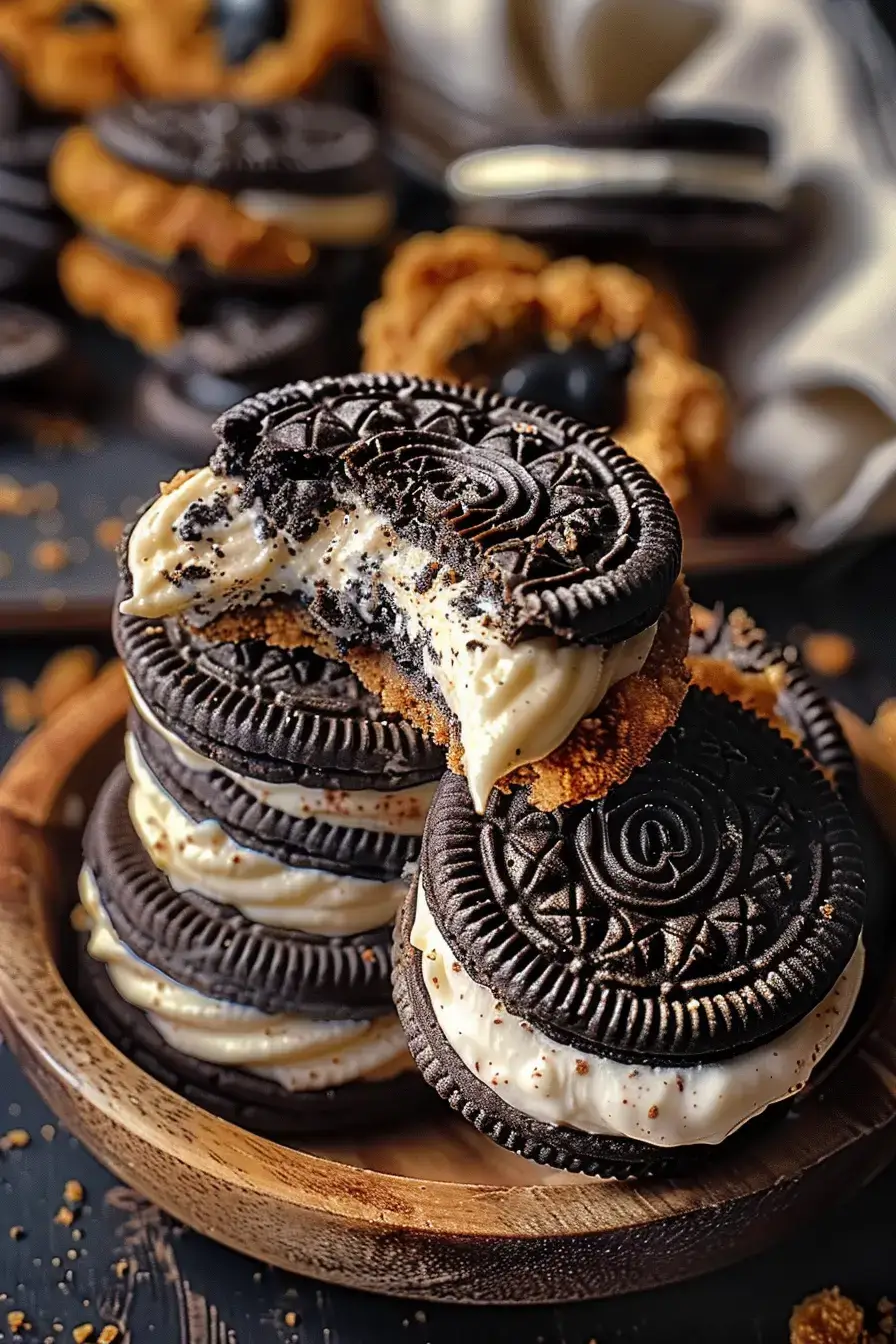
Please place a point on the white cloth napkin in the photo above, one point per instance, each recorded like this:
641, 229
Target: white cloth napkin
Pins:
811, 353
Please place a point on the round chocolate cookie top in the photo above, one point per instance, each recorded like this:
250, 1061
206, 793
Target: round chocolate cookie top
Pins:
555, 527
312, 148
286, 716
29, 340
705, 905
801, 703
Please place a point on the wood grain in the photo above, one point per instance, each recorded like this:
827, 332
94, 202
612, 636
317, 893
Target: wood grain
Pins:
434, 1212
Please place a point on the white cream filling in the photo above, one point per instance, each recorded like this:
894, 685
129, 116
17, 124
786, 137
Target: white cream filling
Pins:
514, 703
328, 221
545, 170
398, 811
201, 856
300, 1053
561, 1085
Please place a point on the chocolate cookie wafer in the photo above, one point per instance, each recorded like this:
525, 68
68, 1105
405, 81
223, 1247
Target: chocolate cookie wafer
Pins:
492, 569
208, 946
654, 969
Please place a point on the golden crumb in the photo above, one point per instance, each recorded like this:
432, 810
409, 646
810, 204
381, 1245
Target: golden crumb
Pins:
14, 1138
17, 1232
16, 1321
73, 1192
581, 1066
108, 533
82, 1333
80, 920
169, 487
826, 1318
50, 555
66, 673
107, 1335
828, 653
64, 1216
19, 712
290, 1318
121, 1267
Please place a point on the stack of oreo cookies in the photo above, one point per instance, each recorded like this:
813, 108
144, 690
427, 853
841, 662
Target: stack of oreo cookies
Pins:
636, 922
242, 871
227, 240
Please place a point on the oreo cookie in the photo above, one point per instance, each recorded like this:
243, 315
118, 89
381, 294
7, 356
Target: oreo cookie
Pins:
299, 842
280, 715
216, 951
245, 1099
30, 342
308, 148
686, 948
674, 182
738, 640
559, 531
32, 227
702, 907
242, 349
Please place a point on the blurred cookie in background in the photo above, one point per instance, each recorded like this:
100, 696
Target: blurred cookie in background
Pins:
689, 199
181, 204
598, 342
77, 56
246, 348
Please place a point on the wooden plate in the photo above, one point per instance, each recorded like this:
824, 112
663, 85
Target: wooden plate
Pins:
435, 1211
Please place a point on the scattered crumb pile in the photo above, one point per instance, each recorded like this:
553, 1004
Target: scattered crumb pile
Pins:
829, 1317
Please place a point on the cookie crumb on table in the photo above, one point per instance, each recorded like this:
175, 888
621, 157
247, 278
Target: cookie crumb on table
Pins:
14, 1138
827, 1318
50, 555
828, 653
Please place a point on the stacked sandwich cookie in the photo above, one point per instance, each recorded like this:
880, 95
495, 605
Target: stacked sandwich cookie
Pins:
636, 923
242, 871
229, 241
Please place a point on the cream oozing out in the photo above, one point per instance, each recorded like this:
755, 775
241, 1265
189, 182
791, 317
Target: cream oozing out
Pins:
564, 1085
300, 1053
201, 856
513, 703
398, 811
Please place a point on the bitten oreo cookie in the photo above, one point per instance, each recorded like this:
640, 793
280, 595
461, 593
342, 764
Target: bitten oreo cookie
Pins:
215, 950
801, 703
701, 908
280, 715
299, 842
557, 529
308, 147
256, 1103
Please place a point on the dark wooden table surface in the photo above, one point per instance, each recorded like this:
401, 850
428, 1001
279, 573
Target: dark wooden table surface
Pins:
124, 1262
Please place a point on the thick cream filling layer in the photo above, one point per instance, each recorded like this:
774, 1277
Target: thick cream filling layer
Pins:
300, 1053
543, 170
399, 811
201, 856
514, 703
562, 1085
328, 221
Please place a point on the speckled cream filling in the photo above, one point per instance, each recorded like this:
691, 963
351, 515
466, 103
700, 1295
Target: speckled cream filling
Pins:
567, 1086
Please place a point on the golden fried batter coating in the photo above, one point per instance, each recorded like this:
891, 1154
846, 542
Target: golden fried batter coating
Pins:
827, 1318
132, 300
455, 305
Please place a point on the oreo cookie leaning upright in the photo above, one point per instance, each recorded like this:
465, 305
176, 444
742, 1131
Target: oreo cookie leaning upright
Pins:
615, 987
497, 572
183, 204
